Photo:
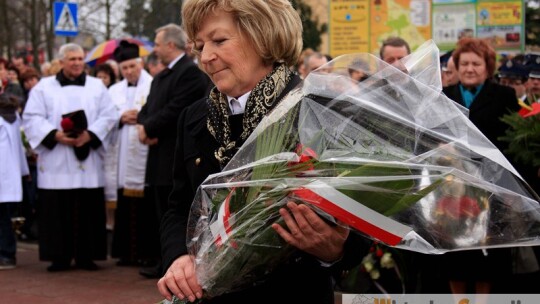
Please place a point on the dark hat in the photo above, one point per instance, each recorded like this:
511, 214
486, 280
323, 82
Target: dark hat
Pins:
126, 51
532, 62
74, 123
513, 69
443, 59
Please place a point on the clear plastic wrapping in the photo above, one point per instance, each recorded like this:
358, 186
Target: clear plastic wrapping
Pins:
390, 156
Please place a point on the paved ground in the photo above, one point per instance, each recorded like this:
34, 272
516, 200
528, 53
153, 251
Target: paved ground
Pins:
31, 283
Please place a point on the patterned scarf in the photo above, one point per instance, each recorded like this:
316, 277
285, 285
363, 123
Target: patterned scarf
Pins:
262, 100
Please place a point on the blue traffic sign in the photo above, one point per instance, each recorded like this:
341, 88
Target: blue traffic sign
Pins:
65, 19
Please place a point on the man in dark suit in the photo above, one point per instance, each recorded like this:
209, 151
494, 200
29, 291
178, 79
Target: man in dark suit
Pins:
177, 86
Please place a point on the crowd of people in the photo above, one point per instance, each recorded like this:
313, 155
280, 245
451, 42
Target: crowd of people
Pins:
123, 146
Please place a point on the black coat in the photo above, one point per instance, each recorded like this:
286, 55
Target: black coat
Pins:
301, 280
171, 91
493, 102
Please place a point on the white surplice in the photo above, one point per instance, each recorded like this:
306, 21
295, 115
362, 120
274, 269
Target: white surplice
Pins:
125, 164
13, 165
59, 168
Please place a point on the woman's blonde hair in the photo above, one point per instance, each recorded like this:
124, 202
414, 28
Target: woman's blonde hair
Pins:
56, 66
273, 26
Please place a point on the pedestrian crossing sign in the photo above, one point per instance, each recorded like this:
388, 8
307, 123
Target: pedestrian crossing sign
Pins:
65, 19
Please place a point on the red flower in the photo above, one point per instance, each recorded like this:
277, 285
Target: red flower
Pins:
469, 207
379, 252
67, 124
306, 153
454, 207
535, 110
305, 162
523, 112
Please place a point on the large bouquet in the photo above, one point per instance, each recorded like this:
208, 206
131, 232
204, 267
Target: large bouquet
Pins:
391, 157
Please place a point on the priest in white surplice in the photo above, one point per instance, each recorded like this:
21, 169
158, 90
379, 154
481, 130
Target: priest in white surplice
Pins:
67, 120
134, 227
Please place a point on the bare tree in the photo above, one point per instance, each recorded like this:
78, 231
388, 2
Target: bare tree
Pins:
135, 16
8, 44
25, 19
102, 18
160, 13
47, 24
35, 31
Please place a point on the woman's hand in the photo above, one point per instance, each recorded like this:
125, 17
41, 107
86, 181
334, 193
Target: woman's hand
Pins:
180, 280
309, 233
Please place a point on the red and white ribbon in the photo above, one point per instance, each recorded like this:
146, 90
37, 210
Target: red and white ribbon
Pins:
353, 213
221, 227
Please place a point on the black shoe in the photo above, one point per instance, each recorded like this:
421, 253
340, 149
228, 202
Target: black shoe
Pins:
86, 265
27, 237
7, 263
58, 266
147, 263
125, 262
153, 272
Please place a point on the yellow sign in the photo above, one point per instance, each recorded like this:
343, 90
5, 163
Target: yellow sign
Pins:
382, 301
408, 19
499, 13
349, 27
360, 26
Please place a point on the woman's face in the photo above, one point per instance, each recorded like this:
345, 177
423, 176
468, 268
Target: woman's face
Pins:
104, 77
472, 69
12, 76
30, 83
228, 58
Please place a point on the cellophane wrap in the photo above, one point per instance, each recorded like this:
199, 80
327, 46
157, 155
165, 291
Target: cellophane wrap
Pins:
390, 157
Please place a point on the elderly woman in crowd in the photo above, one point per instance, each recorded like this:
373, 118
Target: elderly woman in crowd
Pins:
487, 102
247, 58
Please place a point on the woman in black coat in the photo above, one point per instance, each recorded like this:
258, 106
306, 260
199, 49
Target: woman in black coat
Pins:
486, 100
246, 48
487, 103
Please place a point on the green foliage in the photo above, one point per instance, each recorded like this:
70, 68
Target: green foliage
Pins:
532, 23
136, 14
312, 31
162, 12
523, 138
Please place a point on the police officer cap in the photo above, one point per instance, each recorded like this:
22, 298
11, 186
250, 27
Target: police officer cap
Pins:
126, 51
532, 62
443, 59
513, 69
